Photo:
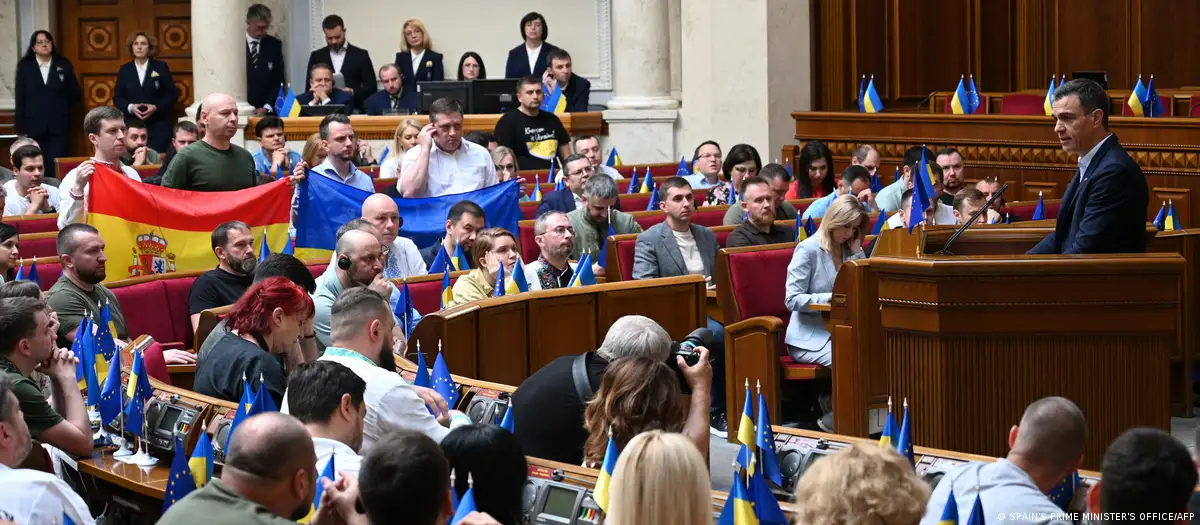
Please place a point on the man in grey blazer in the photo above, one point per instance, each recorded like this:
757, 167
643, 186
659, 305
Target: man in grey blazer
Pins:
677, 247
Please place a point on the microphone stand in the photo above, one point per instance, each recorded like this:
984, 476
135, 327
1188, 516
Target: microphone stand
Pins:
963, 228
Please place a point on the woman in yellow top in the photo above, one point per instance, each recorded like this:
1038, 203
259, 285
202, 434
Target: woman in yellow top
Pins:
493, 247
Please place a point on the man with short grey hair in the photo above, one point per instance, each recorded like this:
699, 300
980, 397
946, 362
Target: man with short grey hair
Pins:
589, 146
442, 163
592, 220
549, 405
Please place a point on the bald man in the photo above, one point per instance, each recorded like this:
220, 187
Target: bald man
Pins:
403, 257
269, 478
358, 261
1045, 448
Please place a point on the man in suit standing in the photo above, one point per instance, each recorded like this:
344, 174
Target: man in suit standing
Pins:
352, 63
264, 61
1104, 208
575, 88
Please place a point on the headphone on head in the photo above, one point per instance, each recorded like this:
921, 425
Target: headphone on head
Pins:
343, 262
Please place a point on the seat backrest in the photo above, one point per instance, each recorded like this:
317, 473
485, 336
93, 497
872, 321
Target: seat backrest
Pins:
144, 305
525, 236
156, 364
1024, 210
622, 246
178, 290
426, 291
710, 216
49, 270
635, 202
1194, 106
145, 171
34, 223
383, 184
801, 205
529, 210
38, 244
1127, 111
758, 279
722, 233
1022, 104
318, 269
66, 164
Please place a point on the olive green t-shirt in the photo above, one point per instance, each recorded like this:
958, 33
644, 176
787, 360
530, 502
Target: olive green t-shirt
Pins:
215, 503
39, 415
201, 167
71, 303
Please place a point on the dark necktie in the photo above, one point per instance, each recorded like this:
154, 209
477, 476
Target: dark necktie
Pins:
254, 53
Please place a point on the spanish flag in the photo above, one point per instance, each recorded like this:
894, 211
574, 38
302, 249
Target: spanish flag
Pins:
167, 230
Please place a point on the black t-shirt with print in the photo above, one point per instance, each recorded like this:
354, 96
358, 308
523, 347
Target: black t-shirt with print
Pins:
535, 140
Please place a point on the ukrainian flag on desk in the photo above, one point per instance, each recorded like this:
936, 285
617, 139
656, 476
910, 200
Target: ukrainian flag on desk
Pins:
447, 290
139, 392
181, 481
554, 102
1048, 104
647, 182
583, 273
950, 512
289, 107
1138, 98
871, 102
614, 158
201, 462
738, 510
600, 493
517, 283
891, 431
960, 103
1172, 221
746, 434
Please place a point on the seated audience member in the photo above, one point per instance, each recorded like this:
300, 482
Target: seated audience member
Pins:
314, 152
863, 484
578, 169
464, 221
813, 179
592, 221
967, 202
321, 91
589, 146
660, 478
759, 226
954, 173
402, 257
390, 100
855, 181
491, 457
214, 163
27, 344
362, 341
555, 239
137, 152
990, 187
493, 247
470, 67
339, 143
351, 62
183, 134
269, 478
867, 156
889, 197
273, 157
442, 162
265, 323
403, 140
359, 257
550, 408
575, 88
938, 214
105, 128
810, 275
31, 290
531, 58
1146, 471
900, 219
507, 169
706, 166
482, 138
742, 161
27, 194
638, 395
777, 177
676, 240
327, 397
78, 291
277, 265
233, 244
7, 174
537, 136
30, 496
10, 255
1045, 448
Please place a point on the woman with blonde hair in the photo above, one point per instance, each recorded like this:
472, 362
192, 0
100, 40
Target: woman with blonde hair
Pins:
493, 247
314, 153
507, 169
404, 138
417, 61
660, 478
810, 275
861, 485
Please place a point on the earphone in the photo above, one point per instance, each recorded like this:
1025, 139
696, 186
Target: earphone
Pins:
343, 262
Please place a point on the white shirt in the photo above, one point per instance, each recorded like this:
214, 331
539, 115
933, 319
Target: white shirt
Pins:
251, 42
44, 67
338, 58
578, 200
468, 169
16, 204
141, 71
345, 459
533, 54
1086, 160
416, 60
1003, 489
610, 171
72, 210
390, 168
700, 182
942, 216
32, 497
691, 254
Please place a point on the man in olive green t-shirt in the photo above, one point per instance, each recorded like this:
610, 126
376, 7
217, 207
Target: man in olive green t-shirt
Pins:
213, 163
78, 291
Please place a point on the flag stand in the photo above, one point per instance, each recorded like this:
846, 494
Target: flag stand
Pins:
143, 459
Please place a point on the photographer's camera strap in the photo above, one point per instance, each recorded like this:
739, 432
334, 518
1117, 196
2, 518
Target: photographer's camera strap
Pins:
583, 387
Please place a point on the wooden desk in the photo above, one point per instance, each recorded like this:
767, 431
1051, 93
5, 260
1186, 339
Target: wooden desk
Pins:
113, 482
384, 127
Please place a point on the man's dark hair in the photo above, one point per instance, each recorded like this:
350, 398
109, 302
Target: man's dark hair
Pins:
330, 119
354, 309
948, 151
288, 267
444, 106
1091, 96
21, 288
966, 195
753, 179
483, 138
94, 120
404, 474
855, 172
332, 22
220, 235
5, 388
672, 182
185, 125
913, 155
529, 80
696, 152
531, 17
18, 320
258, 12
134, 122
774, 171
906, 197
315, 390
497, 466
461, 207
320, 65
557, 54
1146, 470
68, 238
267, 122
574, 157
28, 151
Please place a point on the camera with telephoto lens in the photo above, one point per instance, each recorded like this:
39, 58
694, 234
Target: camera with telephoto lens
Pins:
700, 337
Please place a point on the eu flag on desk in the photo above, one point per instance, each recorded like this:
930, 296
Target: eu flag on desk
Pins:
105, 344
923, 192
876, 184
872, 104
766, 507
31, 276
958, 101
862, 93
766, 443
263, 402
404, 308
905, 445
1160, 220
498, 287
110, 396
602, 259
465, 507
1152, 105
809, 227
139, 392
633, 181
81, 375
443, 383
180, 482
976, 517
1039, 212
973, 99
683, 167
87, 347
264, 249
653, 203
278, 101
441, 262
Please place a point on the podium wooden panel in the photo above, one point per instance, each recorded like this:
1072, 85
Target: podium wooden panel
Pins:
384, 127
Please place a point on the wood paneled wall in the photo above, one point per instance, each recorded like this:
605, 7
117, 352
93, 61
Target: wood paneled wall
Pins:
915, 47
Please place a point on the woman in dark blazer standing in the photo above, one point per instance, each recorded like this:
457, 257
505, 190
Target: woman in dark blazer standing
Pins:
46, 90
418, 62
534, 32
146, 90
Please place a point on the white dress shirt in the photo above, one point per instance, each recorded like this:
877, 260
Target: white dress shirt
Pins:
17, 204
345, 459
416, 60
355, 178
338, 58
469, 168
533, 54
44, 67
390, 168
141, 70
942, 216
1086, 160
72, 210
32, 497
610, 171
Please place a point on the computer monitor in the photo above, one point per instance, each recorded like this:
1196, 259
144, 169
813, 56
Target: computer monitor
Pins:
459, 90
1100, 77
494, 96
321, 111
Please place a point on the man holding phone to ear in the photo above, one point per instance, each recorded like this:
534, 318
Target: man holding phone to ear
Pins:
443, 163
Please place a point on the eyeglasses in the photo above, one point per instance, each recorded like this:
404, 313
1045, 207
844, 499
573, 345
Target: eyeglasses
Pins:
563, 230
506, 168
584, 171
706, 156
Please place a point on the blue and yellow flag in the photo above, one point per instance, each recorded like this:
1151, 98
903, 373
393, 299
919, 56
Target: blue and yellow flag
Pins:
201, 462
1039, 212
873, 103
507, 422
923, 193
498, 287
809, 227
460, 259
881, 223
319, 490
1153, 105
441, 262
264, 249
33, 273
801, 234
554, 102
447, 290
905, 444
110, 397
264, 401
1064, 491
139, 392
403, 310
245, 405
647, 182
766, 444
1136, 98
950, 513
91, 364
745, 434
766, 506
600, 494
536, 195
1172, 222
891, 431
422, 377
738, 509
602, 259
1160, 220
614, 158
959, 104
683, 170
290, 108
180, 482
1048, 104
443, 383
583, 273
517, 283
973, 99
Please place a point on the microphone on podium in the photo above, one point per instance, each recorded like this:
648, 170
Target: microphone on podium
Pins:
926, 99
965, 225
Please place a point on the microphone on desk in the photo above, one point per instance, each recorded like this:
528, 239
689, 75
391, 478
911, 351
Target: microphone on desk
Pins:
926, 99
968, 224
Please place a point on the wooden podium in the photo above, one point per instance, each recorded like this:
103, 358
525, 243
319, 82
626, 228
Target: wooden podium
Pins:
972, 340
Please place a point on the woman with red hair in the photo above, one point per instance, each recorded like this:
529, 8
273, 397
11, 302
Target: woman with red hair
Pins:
268, 321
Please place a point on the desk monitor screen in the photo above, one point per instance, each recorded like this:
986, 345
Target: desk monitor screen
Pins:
455, 89
1099, 76
494, 96
169, 418
560, 502
321, 111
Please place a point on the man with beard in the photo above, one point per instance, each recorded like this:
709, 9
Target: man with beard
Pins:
78, 291
351, 62
105, 128
591, 222
233, 244
759, 226
953, 174
362, 324
463, 223
555, 238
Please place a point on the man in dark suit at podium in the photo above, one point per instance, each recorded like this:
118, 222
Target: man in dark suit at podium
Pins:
264, 60
353, 63
1104, 208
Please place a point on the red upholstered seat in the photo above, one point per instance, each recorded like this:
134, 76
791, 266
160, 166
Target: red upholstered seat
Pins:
801, 205
177, 291
318, 269
147, 311
529, 210
650, 219
383, 184
145, 172
1023, 104
66, 164
625, 257
529, 249
1127, 111
1194, 105
635, 202
710, 216
722, 236
38, 245
156, 364
1025, 210
49, 270
34, 223
427, 292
